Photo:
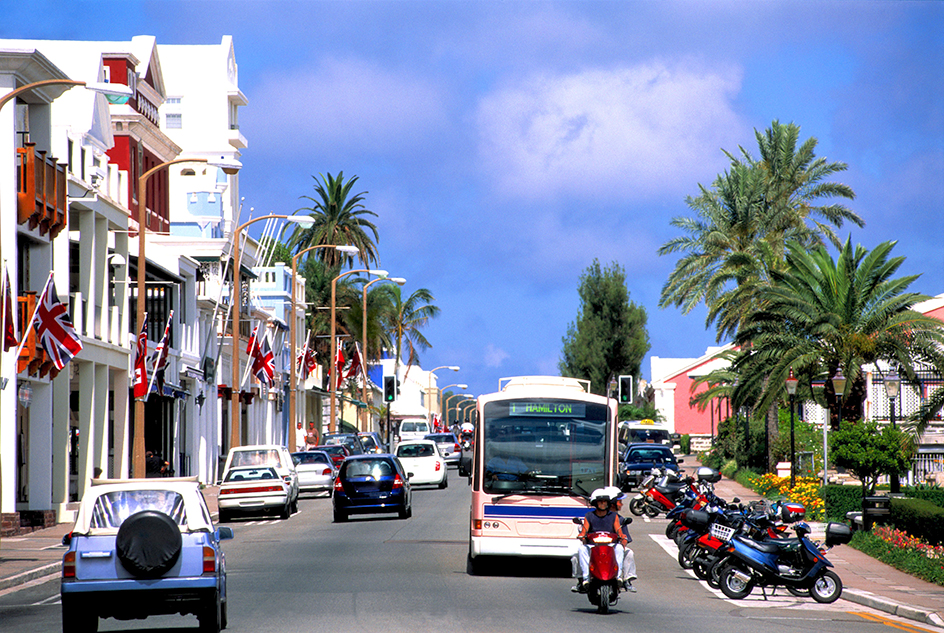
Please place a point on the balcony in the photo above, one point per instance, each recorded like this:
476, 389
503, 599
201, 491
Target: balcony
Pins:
40, 190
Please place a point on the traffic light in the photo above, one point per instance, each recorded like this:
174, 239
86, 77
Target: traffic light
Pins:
390, 388
626, 389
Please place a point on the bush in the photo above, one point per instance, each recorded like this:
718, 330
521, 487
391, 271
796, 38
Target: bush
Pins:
934, 494
895, 548
842, 499
729, 469
806, 492
711, 459
919, 518
685, 444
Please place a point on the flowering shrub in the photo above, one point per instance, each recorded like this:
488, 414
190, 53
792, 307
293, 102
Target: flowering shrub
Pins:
904, 540
806, 491
904, 552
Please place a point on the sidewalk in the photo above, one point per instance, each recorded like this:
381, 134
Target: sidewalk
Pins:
865, 580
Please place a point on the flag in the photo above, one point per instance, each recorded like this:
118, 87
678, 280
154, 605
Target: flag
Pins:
54, 328
355, 367
253, 344
311, 361
306, 360
160, 356
263, 365
140, 362
339, 364
10, 339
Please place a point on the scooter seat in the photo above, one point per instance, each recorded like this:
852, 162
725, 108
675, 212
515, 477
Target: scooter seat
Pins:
671, 488
770, 547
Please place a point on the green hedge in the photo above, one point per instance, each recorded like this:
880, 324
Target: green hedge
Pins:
934, 494
685, 444
841, 499
919, 518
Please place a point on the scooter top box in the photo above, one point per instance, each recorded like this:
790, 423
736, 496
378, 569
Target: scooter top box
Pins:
695, 519
838, 534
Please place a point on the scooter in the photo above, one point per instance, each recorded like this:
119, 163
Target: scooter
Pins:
604, 586
797, 564
660, 492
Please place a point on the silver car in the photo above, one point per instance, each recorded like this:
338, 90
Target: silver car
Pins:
448, 446
316, 471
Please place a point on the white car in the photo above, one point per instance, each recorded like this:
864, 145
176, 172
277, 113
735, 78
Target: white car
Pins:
254, 490
316, 471
423, 459
272, 455
413, 430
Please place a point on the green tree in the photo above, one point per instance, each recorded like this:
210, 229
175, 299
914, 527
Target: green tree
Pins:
407, 319
867, 451
340, 219
609, 336
380, 311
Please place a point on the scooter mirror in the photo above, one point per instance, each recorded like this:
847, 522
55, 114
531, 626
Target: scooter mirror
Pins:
627, 520
577, 520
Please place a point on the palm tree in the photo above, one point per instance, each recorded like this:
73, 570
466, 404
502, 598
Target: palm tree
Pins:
380, 310
339, 219
407, 320
821, 315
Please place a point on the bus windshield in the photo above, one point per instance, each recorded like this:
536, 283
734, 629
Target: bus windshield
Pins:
544, 446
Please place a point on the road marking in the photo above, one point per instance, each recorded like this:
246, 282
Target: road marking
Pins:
904, 626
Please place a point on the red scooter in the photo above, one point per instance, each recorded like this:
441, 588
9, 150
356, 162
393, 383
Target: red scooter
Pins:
604, 586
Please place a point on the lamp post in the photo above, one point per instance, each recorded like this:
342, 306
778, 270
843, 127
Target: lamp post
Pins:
892, 387
293, 341
445, 408
235, 299
399, 281
792, 389
839, 387
429, 390
334, 350
469, 398
138, 449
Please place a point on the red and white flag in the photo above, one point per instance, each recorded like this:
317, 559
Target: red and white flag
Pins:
263, 365
339, 364
355, 367
160, 356
10, 339
140, 362
311, 361
54, 328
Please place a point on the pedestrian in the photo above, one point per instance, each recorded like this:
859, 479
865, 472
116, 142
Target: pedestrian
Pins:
152, 464
311, 437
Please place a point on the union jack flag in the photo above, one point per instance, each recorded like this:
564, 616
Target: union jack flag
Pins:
160, 356
54, 328
263, 365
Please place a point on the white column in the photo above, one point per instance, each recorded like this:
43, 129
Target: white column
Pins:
40, 450
100, 419
86, 424
123, 408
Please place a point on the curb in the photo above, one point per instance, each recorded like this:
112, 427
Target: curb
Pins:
32, 574
909, 612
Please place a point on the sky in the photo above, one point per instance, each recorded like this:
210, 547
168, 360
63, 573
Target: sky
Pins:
506, 145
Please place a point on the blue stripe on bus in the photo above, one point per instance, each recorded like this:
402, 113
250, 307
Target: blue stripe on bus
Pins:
533, 512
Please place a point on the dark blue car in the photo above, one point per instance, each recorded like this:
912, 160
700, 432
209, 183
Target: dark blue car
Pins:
372, 484
639, 460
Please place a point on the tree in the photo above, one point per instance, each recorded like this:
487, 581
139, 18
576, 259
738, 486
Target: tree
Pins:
609, 336
407, 319
339, 220
868, 452
380, 310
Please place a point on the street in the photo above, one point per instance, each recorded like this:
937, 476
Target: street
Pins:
379, 573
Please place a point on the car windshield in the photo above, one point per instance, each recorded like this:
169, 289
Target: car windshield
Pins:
441, 438
647, 455
416, 450
648, 435
112, 508
414, 427
375, 468
544, 445
263, 457
251, 474
309, 458
368, 442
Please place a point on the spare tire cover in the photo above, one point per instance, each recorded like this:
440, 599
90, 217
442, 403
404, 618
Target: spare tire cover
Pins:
148, 544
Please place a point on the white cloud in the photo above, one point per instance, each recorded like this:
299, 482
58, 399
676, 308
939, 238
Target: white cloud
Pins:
638, 131
352, 103
494, 356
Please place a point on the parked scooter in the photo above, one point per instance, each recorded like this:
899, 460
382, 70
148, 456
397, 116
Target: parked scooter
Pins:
797, 564
604, 586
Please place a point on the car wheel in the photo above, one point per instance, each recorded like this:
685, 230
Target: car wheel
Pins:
339, 516
225, 517
148, 544
286, 511
77, 618
224, 619
211, 616
403, 513
445, 483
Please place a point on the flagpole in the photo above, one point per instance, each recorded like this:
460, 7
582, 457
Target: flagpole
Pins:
162, 352
3, 323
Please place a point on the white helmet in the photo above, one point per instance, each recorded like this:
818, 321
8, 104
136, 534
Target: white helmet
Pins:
614, 493
600, 494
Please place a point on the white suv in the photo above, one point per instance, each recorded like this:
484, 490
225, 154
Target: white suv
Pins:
413, 429
272, 455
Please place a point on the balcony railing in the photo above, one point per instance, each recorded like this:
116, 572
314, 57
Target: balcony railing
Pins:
41, 190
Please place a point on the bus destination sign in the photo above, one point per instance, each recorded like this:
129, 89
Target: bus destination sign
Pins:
545, 409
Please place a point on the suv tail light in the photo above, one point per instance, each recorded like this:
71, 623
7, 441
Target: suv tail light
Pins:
397, 482
68, 565
337, 485
209, 560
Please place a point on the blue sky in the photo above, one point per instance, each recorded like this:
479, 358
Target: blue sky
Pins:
505, 145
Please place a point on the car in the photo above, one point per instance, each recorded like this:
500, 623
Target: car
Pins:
413, 429
423, 459
640, 458
337, 452
448, 445
316, 471
254, 490
372, 484
371, 441
348, 440
272, 455
143, 547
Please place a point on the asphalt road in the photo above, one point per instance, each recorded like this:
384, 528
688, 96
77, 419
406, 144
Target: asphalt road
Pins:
380, 573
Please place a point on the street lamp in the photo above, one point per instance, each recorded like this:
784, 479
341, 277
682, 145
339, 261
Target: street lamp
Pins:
399, 281
429, 390
228, 166
293, 341
839, 388
235, 299
444, 409
115, 93
469, 398
792, 389
334, 369
463, 413
892, 387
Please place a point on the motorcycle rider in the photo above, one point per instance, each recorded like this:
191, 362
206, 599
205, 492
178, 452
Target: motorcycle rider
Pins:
600, 519
629, 559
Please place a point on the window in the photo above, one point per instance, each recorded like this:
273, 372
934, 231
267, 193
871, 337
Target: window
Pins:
173, 121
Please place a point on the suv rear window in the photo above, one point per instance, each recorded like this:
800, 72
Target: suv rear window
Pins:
112, 508
268, 457
649, 455
414, 427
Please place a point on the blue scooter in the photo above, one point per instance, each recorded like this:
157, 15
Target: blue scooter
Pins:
797, 564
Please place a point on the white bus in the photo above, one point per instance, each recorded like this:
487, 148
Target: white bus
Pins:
542, 445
